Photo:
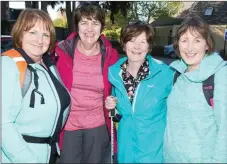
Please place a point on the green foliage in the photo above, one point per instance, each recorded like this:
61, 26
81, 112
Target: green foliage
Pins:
112, 34
142, 10
112, 31
120, 21
60, 23
167, 9
147, 10
116, 7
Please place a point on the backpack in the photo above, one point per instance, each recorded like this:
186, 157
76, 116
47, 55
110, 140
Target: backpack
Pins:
208, 88
25, 75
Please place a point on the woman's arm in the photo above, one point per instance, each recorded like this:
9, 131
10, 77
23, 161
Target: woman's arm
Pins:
220, 113
13, 145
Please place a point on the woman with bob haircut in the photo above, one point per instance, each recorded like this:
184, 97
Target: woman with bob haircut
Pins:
141, 85
196, 130
83, 61
35, 102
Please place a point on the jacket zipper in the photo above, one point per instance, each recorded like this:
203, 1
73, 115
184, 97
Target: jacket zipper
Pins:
55, 98
58, 111
136, 92
134, 99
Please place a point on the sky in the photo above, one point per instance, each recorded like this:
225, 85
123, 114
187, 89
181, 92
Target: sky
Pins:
17, 5
21, 5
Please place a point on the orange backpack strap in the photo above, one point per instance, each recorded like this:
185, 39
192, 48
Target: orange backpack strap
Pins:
20, 61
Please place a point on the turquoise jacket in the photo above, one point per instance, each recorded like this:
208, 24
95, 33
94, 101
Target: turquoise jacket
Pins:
141, 128
18, 118
196, 133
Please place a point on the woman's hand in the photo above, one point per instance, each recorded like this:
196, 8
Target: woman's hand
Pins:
111, 102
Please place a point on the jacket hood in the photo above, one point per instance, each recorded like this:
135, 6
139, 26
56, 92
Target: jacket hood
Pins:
68, 45
104, 40
209, 66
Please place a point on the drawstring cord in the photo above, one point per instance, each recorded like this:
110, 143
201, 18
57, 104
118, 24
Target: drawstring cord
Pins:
36, 78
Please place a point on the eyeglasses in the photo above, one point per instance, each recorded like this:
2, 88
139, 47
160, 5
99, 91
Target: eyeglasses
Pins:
137, 22
85, 4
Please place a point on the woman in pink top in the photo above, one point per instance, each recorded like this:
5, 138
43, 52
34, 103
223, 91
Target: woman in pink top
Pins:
82, 61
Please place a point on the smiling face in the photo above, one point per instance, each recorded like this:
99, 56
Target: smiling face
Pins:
137, 48
89, 30
36, 41
192, 48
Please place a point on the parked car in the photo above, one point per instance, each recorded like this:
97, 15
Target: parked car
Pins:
6, 43
169, 51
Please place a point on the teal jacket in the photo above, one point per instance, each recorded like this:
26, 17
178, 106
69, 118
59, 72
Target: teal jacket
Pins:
141, 128
196, 133
18, 118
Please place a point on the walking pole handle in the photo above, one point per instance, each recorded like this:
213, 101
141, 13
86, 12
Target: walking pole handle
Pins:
112, 113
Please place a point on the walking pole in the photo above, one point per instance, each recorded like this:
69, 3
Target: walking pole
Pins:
112, 114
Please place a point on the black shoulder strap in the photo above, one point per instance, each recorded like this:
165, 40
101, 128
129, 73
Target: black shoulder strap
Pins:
176, 75
208, 89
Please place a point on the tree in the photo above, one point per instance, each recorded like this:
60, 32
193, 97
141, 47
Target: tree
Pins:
69, 15
69, 12
115, 7
44, 4
147, 10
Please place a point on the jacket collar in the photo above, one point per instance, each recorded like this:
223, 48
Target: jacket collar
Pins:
115, 78
46, 58
209, 65
25, 56
68, 46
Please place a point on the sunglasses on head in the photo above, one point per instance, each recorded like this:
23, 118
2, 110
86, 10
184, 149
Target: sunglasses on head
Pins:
136, 22
85, 4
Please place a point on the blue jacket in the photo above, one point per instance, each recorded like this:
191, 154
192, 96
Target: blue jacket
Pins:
195, 132
18, 118
141, 129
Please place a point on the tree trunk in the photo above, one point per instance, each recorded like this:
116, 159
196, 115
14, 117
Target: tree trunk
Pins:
70, 21
135, 10
74, 6
112, 18
73, 9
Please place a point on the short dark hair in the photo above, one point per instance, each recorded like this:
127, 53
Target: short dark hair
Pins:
89, 11
196, 24
134, 29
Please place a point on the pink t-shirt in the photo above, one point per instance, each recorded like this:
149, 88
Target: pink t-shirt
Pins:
86, 93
